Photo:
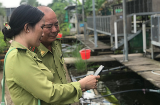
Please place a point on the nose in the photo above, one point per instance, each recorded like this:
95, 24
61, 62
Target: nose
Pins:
42, 34
54, 29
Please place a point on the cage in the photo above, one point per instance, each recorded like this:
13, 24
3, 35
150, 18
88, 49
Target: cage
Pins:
138, 6
155, 29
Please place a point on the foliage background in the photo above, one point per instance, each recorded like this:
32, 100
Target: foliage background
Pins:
2, 43
59, 5
2, 12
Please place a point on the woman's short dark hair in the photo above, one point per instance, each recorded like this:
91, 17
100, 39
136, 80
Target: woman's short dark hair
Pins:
20, 16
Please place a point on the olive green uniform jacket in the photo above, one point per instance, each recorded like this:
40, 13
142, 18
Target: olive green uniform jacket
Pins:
53, 61
28, 80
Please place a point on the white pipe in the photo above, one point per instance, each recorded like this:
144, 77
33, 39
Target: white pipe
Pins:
155, 73
116, 36
144, 37
135, 27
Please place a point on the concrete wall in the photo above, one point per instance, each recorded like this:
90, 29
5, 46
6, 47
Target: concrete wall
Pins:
1, 22
156, 5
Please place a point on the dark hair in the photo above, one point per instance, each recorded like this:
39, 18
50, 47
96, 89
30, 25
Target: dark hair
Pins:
20, 16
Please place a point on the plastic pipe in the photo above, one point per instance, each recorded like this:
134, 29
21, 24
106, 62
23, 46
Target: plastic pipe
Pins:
135, 24
116, 36
144, 37
133, 90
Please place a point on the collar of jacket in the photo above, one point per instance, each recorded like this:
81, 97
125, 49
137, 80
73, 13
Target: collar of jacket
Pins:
20, 47
43, 50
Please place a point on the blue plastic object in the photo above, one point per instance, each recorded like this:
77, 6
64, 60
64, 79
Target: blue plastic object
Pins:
81, 25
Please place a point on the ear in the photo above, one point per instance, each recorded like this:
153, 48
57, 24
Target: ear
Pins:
26, 28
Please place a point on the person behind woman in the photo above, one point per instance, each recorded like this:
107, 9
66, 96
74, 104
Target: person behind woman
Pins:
26, 76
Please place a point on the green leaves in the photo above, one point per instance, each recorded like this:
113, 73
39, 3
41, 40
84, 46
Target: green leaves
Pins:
64, 27
2, 42
2, 11
58, 7
88, 8
33, 3
79, 64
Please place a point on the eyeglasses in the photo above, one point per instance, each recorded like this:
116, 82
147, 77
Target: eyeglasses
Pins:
42, 26
49, 26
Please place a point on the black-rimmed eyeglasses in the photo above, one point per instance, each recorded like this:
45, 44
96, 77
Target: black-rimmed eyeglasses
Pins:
42, 26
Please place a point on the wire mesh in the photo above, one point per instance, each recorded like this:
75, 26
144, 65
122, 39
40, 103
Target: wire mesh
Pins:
137, 6
155, 28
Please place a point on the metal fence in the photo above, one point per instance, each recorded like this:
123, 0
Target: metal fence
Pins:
135, 6
103, 24
155, 29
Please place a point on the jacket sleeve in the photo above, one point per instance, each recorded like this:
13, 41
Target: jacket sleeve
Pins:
28, 74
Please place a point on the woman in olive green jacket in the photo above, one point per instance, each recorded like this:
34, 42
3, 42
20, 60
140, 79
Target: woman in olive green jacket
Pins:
26, 76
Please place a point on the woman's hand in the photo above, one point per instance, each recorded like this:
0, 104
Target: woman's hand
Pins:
89, 82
